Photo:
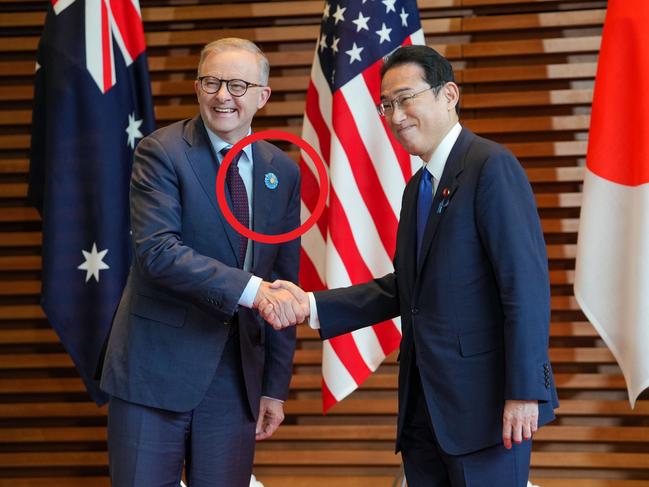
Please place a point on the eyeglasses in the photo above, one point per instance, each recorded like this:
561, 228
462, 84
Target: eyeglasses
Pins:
387, 107
236, 87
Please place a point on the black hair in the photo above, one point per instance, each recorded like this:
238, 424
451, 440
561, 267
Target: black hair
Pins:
437, 70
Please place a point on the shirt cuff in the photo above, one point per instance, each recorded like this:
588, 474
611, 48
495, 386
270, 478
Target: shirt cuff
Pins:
250, 292
273, 399
314, 322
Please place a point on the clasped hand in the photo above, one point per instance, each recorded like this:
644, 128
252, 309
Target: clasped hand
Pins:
282, 304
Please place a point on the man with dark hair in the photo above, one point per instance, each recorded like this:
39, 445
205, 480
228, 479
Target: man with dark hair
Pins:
471, 285
194, 374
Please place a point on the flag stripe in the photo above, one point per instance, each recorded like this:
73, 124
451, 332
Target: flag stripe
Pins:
328, 399
338, 379
367, 182
350, 357
374, 139
368, 242
369, 347
372, 78
341, 236
310, 183
310, 278
389, 335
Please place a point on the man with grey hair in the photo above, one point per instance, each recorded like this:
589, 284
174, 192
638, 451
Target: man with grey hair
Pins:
195, 375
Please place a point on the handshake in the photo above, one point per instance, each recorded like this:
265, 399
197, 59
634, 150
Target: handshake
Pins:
282, 304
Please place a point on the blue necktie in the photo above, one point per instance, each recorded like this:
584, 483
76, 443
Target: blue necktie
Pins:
239, 200
424, 203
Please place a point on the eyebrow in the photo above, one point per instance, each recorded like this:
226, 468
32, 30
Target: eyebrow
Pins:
397, 93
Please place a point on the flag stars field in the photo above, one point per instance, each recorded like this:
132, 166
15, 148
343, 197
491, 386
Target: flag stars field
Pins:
372, 29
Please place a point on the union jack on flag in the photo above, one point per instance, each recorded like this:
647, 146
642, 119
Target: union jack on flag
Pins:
92, 103
108, 21
355, 238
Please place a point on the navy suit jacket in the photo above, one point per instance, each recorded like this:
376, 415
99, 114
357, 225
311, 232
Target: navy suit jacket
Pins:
183, 287
475, 310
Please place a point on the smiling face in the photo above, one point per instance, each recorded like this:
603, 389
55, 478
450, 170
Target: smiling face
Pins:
229, 116
422, 125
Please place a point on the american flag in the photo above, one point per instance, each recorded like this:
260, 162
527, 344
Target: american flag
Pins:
92, 104
355, 238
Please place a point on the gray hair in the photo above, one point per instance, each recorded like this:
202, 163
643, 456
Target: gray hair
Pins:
229, 43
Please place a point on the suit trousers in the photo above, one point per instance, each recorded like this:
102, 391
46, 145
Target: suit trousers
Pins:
216, 440
427, 465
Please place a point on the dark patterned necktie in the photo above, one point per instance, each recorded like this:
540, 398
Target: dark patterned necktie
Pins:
239, 200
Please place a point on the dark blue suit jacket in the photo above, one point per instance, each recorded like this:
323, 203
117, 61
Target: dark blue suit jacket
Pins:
182, 291
475, 310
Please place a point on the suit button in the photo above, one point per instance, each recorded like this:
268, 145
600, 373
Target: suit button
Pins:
414, 311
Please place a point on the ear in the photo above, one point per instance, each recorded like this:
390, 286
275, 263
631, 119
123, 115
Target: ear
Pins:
452, 94
197, 88
264, 95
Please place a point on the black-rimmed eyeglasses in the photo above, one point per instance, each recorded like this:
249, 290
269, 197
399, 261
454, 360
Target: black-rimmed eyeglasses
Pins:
236, 87
387, 107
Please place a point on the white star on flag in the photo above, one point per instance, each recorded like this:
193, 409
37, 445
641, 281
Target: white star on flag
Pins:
338, 14
384, 33
404, 18
325, 13
133, 130
389, 5
361, 22
334, 44
94, 262
354, 53
323, 42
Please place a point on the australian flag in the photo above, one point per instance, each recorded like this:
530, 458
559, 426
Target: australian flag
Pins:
92, 105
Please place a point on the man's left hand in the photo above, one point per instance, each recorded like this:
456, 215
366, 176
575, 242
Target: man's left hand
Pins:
271, 415
520, 421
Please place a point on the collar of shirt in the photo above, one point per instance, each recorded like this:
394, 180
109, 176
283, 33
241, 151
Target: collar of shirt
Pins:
436, 163
219, 144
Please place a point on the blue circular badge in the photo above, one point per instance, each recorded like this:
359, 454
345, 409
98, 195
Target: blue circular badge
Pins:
271, 180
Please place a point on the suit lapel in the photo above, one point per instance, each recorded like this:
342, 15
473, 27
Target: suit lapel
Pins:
450, 181
204, 162
262, 201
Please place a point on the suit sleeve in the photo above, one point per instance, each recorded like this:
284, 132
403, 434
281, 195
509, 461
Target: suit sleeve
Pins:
156, 224
280, 345
344, 310
511, 233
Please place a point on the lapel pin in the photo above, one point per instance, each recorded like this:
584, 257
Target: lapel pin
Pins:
270, 180
446, 193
